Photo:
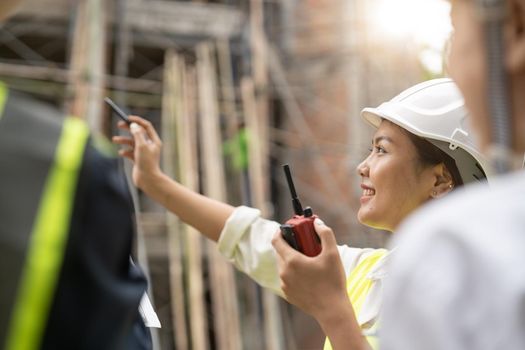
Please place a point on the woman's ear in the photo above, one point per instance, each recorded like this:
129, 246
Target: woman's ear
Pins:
515, 37
443, 181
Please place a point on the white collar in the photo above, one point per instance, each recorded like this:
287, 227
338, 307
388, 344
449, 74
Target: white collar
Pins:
379, 270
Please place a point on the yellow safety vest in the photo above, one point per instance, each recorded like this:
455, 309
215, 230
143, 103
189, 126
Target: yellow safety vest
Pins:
358, 286
48, 237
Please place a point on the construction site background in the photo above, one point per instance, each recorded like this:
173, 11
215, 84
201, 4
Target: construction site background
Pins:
236, 88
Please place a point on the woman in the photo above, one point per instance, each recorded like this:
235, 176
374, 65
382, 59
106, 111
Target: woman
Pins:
420, 151
402, 172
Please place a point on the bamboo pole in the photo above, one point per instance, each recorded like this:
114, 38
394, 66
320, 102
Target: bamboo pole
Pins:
120, 68
231, 119
194, 246
238, 185
88, 62
227, 87
222, 283
53, 74
255, 96
170, 103
234, 167
260, 81
274, 336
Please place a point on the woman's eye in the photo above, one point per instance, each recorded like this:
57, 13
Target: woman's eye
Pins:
379, 149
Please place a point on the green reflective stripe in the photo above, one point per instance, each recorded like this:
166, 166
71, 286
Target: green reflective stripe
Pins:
48, 240
373, 342
3, 97
358, 286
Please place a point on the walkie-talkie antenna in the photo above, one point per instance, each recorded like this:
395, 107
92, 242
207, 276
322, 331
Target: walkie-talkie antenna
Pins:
297, 207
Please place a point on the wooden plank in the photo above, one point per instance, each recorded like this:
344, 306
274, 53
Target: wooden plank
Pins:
222, 282
172, 17
49, 9
190, 18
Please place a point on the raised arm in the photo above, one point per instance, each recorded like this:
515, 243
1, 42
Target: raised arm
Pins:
144, 146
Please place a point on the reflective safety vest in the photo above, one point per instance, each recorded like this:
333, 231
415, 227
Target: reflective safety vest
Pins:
38, 200
358, 285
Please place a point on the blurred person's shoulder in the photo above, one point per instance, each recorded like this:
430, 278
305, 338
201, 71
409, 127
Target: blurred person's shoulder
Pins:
477, 218
456, 272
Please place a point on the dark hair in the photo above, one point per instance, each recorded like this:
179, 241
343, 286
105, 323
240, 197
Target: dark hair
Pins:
429, 155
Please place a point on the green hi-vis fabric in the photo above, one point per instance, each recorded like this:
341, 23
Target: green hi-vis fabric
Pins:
48, 240
3, 97
358, 286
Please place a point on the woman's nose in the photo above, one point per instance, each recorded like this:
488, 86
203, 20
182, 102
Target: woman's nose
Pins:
362, 168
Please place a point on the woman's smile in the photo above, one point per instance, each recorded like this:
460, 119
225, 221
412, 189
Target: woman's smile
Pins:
393, 184
368, 193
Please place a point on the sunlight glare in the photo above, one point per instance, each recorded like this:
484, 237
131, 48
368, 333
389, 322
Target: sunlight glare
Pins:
425, 22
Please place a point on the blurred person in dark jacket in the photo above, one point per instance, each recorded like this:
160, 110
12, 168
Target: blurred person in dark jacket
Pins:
65, 235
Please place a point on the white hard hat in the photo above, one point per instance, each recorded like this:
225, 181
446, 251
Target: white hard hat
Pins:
434, 110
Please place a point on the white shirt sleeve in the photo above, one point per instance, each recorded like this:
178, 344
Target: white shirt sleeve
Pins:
246, 241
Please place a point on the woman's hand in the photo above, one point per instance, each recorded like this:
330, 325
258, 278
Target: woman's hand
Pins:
314, 284
208, 216
317, 285
143, 149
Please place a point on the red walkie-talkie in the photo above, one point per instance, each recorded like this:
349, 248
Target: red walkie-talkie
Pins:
299, 231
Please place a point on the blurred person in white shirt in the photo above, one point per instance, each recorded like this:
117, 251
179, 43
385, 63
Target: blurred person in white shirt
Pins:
456, 281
